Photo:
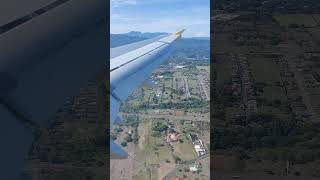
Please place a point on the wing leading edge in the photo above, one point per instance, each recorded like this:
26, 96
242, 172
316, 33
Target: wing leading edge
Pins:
128, 70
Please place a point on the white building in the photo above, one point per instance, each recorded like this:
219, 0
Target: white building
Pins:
198, 145
193, 168
179, 67
200, 150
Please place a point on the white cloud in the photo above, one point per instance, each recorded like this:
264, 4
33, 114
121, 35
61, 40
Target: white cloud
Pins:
117, 3
200, 9
119, 18
162, 25
124, 22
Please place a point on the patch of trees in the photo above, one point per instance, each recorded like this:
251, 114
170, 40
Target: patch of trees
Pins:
118, 129
131, 120
188, 104
113, 136
166, 74
156, 134
176, 158
124, 144
135, 137
160, 126
158, 129
128, 138
132, 107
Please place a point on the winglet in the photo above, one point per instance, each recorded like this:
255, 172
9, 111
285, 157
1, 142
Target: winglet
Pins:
179, 33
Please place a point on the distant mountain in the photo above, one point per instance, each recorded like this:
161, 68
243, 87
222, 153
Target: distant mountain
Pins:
185, 44
146, 34
131, 37
190, 48
122, 39
186, 47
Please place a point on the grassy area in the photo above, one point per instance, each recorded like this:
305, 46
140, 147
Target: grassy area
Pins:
184, 172
185, 150
151, 151
154, 150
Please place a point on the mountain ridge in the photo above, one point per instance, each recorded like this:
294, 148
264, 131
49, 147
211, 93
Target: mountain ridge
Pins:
135, 36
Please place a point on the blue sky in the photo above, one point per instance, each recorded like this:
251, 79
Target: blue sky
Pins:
161, 16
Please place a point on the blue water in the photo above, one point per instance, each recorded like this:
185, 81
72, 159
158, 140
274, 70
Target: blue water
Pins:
114, 148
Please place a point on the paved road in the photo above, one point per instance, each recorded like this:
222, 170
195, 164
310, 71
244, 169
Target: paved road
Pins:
203, 87
186, 86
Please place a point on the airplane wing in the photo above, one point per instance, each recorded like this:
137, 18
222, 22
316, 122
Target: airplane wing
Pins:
129, 66
49, 50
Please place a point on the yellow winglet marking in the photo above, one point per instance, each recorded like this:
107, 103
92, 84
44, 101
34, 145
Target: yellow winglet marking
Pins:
179, 33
